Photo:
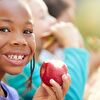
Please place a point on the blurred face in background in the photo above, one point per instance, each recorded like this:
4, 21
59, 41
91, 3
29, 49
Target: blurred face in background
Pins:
43, 21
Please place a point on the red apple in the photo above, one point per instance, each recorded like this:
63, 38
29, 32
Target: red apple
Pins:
53, 69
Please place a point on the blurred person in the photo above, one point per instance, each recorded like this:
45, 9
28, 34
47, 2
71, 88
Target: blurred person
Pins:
63, 10
67, 36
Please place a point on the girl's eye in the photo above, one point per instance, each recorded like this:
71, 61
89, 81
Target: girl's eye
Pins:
4, 30
28, 31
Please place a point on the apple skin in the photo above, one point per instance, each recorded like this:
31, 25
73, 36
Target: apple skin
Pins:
53, 69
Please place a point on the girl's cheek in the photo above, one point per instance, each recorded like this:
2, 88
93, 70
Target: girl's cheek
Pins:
32, 48
32, 45
3, 41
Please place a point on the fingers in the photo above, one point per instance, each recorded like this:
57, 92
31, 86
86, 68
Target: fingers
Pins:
58, 92
61, 90
67, 35
48, 90
66, 83
57, 89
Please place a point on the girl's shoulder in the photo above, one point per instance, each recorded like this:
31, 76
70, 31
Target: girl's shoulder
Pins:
11, 92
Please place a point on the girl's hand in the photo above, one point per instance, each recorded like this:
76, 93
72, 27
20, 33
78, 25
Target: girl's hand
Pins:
67, 35
56, 92
62, 35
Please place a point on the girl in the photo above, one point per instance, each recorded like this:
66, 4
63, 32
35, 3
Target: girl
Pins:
17, 47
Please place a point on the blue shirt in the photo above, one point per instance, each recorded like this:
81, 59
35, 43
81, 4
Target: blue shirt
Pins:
77, 62
11, 93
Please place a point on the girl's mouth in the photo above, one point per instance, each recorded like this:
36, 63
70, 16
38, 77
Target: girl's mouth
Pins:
16, 59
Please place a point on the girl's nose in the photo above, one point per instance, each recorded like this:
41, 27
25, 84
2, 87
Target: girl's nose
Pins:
18, 40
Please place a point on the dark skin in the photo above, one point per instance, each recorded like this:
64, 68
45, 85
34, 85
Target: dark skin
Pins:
16, 37
17, 40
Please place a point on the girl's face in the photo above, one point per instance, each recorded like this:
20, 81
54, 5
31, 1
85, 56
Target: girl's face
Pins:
17, 41
43, 20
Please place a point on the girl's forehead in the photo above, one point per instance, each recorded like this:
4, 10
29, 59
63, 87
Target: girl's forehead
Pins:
13, 5
14, 10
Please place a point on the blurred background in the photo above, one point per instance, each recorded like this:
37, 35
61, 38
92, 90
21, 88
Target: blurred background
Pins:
88, 21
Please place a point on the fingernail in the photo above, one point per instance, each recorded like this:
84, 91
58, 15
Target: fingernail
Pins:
43, 85
52, 81
68, 76
64, 76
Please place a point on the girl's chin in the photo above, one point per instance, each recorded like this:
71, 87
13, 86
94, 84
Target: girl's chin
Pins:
15, 71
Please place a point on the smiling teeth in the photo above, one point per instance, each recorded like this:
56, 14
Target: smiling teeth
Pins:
15, 57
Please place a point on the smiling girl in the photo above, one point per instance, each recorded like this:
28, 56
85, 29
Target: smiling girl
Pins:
17, 42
